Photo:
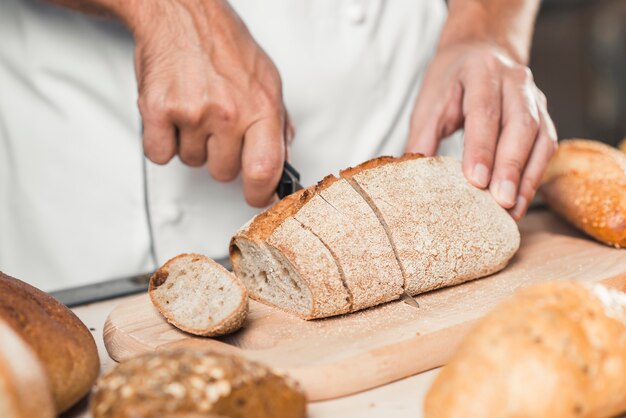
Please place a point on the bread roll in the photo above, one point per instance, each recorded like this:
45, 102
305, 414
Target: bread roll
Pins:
554, 350
199, 296
24, 388
187, 383
60, 340
386, 226
585, 183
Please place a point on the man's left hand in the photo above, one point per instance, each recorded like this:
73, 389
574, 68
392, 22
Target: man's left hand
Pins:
509, 136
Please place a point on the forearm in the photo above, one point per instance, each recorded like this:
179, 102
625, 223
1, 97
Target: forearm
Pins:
505, 23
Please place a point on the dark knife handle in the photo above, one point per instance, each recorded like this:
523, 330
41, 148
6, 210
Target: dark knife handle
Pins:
289, 181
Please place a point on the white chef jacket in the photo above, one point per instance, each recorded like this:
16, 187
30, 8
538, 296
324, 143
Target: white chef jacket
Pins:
78, 201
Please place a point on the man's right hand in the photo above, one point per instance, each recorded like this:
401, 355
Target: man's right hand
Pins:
209, 93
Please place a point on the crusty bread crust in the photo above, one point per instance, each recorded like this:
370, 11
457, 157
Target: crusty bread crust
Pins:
231, 323
378, 162
188, 383
24, 388
552, 350
585, 183
61, 341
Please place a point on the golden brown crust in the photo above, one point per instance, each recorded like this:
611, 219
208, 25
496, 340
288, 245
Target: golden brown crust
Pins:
552, 350
585, 182
377, 162
24, 388
61, 341
230, 324
622, 145
186, 383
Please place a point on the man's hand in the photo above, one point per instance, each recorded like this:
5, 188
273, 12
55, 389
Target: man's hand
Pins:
207, 91
479, 81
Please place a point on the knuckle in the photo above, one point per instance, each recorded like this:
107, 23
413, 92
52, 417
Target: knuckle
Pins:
262, 172
488, 111
529, 120
226, 113
521, 73
152, 107
192, 159
223, 173
513, 166
190, 112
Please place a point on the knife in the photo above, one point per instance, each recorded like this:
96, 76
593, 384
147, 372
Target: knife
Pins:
290, 183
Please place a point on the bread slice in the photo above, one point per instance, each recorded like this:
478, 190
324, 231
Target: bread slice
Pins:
199, 296
283, 263
63, 344
349, 228
24, 388
188, 383
552, 350
585, 183
444, 230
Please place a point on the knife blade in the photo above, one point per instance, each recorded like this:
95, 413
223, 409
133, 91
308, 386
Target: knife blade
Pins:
109, 289
409, 300
289, 181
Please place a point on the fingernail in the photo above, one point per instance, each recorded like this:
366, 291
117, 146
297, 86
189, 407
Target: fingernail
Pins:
506, 192
519, 208
480, 175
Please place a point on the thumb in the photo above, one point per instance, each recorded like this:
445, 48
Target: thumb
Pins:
434, 117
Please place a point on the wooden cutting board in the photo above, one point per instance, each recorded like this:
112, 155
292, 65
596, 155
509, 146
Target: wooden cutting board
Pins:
347, 354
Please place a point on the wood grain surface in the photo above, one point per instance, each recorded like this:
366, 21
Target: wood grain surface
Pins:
343, 355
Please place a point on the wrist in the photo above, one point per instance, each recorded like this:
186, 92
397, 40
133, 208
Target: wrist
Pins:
505, 25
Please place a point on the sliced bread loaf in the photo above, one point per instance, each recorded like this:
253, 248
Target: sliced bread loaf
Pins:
199, 296
387, 225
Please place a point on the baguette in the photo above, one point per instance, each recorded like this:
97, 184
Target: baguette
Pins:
199, 296
554, 350
60, 340
24, 388
388, 225
585, 183
187, 383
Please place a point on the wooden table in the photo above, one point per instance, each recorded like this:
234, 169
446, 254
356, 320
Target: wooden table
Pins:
396, 400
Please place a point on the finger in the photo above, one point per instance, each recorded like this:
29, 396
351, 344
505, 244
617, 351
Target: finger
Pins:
224, 157
482, 104
436, 115
192, 148
263, 156
544, 148
290, 134
519, 133
159, 141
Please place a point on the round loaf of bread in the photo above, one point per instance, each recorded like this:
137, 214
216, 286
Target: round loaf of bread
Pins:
189, 383
24, 388
60, 340
199, 296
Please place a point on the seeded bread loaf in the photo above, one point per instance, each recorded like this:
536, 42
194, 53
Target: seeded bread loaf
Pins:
24, 388
60, 340
585, 183
388, 225
199, 296
187, 383
554, 350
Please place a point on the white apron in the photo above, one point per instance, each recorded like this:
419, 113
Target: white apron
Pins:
79, 204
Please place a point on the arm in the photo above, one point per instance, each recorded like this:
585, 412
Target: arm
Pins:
207, 91
479, 80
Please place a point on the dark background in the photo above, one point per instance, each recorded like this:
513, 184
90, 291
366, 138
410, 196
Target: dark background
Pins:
579, 61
